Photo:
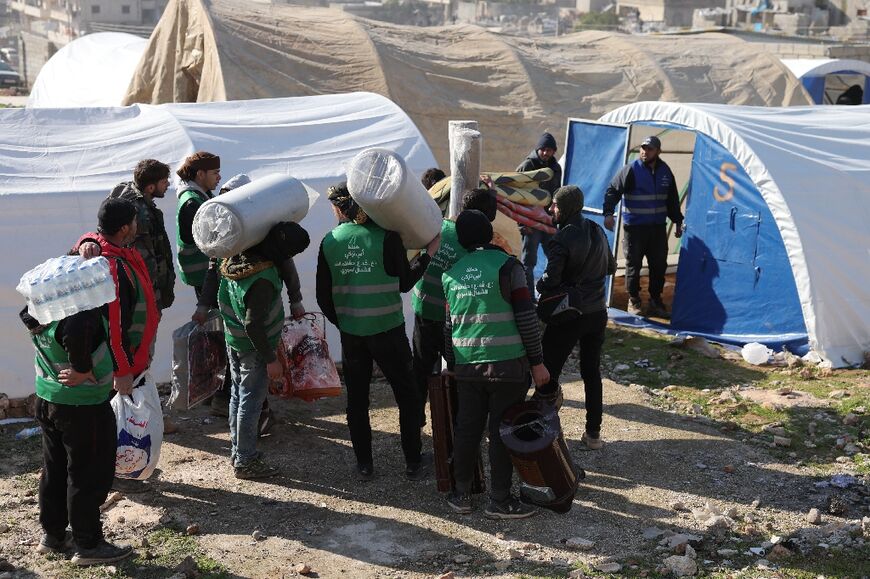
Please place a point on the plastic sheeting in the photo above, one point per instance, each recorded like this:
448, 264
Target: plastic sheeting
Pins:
810, 166
515, 87
91, 71
57, 165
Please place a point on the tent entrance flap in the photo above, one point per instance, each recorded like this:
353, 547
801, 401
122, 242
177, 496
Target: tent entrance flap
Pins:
594, 152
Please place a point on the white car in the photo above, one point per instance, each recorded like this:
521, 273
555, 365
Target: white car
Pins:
8, 77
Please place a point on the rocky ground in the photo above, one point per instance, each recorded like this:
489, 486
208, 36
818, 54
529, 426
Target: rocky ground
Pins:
689, 482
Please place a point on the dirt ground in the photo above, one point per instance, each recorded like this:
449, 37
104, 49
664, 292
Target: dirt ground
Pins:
317, 514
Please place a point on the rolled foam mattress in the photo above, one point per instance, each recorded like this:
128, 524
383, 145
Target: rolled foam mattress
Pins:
231, 223
393, 196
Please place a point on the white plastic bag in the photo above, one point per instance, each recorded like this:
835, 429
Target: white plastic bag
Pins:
180, 374
140, 430
756, 354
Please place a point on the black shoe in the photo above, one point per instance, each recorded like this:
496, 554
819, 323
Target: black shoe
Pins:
510, 508
657, 309
460, 503
103, 553
365, 471
49, 544
419, 470
255, 469
265, 422
634, 306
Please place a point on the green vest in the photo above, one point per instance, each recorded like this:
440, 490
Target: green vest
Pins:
192, 263
367, 300
231, 298
51, 358
428, 298
484, 327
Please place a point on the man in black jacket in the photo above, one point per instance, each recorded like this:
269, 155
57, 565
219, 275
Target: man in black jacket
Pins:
543, 157
579, 258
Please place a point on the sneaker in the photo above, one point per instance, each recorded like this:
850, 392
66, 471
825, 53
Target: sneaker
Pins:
169, 426
220, 406
131, 486
365, 471
103, 553
657, 309
460, 503
49, 544
591, 442
510, 508
419, 471
257, 468
634, 306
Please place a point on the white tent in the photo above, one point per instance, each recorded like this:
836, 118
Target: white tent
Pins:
777, 243
91, 71
56, 166
827, 78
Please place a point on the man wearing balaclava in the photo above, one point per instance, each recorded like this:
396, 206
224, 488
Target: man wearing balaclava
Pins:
492, 344
578, 263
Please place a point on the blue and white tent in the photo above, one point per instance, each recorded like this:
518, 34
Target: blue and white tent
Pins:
777, 248
826, 79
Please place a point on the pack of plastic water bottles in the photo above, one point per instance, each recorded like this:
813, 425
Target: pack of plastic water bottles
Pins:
63, 286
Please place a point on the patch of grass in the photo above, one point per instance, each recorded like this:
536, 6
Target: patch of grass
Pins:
693, 379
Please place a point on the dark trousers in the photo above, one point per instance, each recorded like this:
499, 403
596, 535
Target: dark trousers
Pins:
392, 352
477, 401
78, 449
558, 343
532, 239
650, 241
428, 345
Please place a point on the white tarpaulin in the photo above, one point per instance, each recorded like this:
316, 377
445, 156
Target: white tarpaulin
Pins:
57, 165
811, 166
91, 71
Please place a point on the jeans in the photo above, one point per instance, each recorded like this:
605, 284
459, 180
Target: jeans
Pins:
477, 401
558, 343
428, 346
392, 352
532, 238
650, 241
78, 449
250, 384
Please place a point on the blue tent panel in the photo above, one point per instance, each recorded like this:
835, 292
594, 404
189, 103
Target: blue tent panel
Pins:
734, 278
815, 86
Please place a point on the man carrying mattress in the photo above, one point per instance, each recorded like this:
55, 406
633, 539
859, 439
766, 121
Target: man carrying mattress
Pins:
362, 270
543, 157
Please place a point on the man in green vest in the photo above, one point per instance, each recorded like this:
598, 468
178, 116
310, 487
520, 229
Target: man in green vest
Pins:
428, 301
200, 174
74, 378
251, 307
362, 270
493, 340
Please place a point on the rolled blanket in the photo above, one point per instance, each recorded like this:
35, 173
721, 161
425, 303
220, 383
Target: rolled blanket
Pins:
518, 187
534, 217
521, 180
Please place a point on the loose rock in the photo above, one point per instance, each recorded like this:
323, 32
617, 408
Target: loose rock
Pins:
258, 536
778, 552
609, 567
652, 533
304, 569
501, 566
3, 527
729, 468
515, 554
814, 517
193, 529
461, 559
681, 566
579, 543
781, 441
850, 419
678, 506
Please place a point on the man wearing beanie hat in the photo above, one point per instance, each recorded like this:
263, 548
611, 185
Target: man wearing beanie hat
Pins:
648, 191
200, 174
578, 264
542, 157
492, 341
362, 272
